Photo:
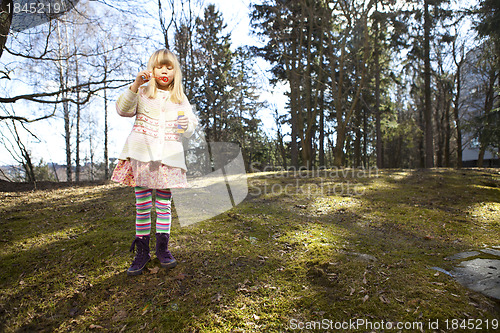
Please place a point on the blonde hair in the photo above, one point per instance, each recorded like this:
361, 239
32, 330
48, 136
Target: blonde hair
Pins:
165, 57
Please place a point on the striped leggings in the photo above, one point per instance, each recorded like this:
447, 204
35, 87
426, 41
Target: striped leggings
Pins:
144, 205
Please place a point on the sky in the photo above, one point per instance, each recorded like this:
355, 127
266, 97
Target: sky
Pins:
51, 147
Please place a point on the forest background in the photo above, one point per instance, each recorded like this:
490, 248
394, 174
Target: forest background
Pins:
378, 83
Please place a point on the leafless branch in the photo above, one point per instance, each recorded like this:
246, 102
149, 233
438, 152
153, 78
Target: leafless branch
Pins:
37, 96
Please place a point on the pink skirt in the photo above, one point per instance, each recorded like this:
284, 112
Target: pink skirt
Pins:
149, 175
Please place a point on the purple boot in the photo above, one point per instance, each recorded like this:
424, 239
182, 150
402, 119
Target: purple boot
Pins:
142, 257
162, 252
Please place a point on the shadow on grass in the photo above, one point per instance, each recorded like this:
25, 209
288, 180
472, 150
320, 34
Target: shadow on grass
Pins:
43, 258
407, 223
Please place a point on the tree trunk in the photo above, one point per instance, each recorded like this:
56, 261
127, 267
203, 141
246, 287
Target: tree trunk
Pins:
458, 129
378, 131
429, 147
106, 156
365, 138
282, 149
322, 129
480, 157
456, 106
339, 146
63, 82
439, 133
421, 147
297, 45
67, 139
447, 130
78, 114
357, 138
311, 107
91, 153
294, 96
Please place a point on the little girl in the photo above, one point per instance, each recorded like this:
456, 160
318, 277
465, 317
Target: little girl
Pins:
153, 156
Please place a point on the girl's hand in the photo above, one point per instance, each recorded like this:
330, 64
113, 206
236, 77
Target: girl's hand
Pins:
183, 121
141, 78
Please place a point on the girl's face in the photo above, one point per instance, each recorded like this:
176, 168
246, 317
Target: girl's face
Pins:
164, 76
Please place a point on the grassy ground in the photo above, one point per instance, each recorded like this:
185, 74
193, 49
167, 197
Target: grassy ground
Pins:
303, 247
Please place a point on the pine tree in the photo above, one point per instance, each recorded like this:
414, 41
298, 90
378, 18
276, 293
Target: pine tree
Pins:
212, 74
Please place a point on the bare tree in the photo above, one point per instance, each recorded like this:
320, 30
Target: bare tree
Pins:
353, 16
10, 138
62, 46
458, 59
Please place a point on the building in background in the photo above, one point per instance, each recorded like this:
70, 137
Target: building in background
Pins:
479, 108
